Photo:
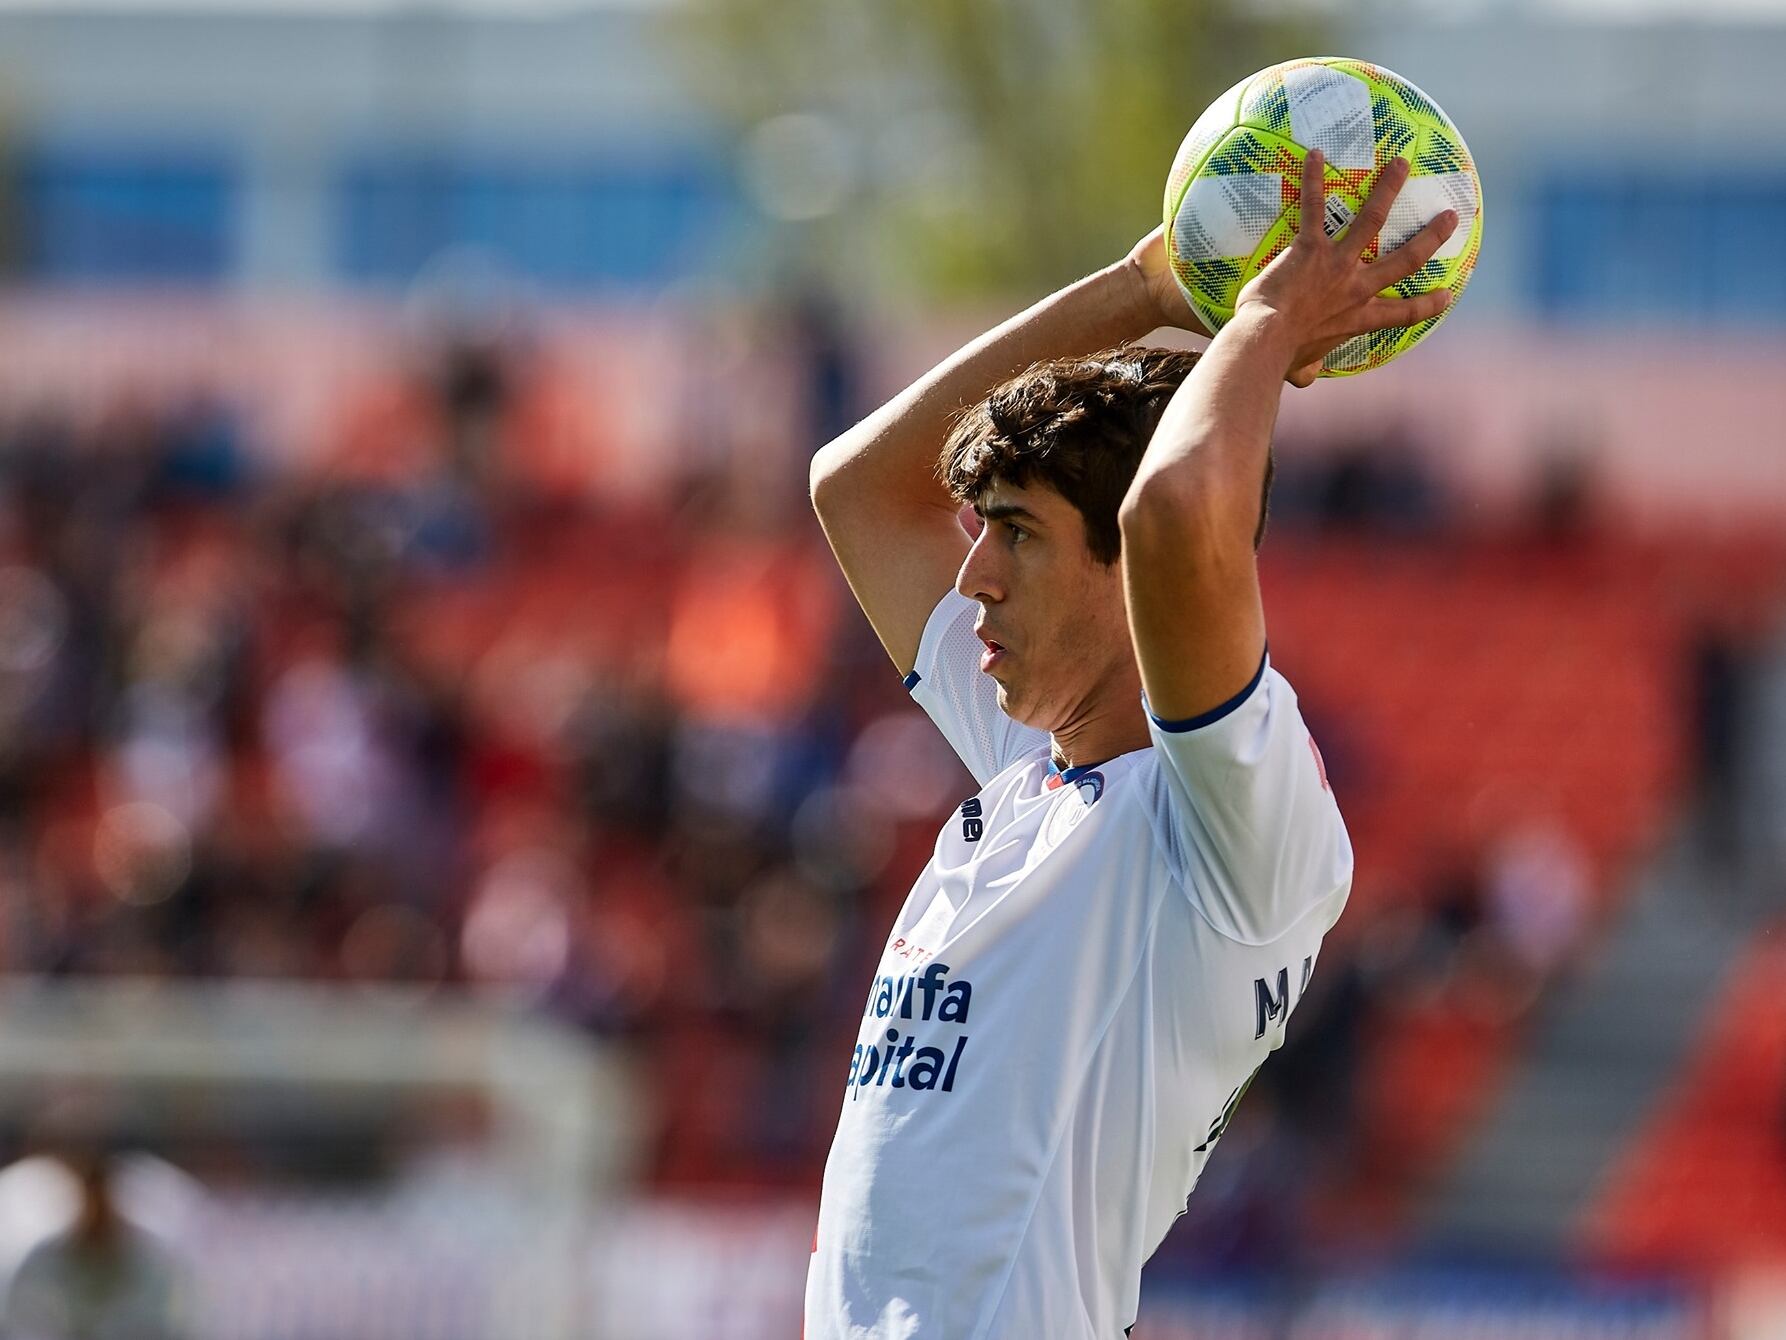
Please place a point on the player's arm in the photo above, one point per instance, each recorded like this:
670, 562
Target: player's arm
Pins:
889, 520
1191, 515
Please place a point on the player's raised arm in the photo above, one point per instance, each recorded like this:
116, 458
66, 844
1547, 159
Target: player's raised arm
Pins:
889, 520
1190, 521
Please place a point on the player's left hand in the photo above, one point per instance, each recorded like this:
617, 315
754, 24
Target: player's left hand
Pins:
1322, 291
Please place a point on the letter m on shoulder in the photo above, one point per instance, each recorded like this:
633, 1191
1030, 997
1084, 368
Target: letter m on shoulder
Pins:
1272, 1008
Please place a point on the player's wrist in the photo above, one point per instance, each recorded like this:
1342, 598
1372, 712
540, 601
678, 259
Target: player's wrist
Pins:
1155, 297
1134, 308
1273, 331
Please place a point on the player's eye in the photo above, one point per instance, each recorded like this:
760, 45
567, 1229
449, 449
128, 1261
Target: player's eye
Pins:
1017, 533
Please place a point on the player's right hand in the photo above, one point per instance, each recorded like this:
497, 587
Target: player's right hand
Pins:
1323, 291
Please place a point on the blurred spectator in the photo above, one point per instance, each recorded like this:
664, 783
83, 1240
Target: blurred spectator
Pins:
832, 364
101, 1279
1564, 499
203, 456
1768, 758
1537, 895
1380, 485
1720, 672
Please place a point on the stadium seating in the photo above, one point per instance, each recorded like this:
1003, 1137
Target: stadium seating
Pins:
569, 742
1704, 1184
1482, 689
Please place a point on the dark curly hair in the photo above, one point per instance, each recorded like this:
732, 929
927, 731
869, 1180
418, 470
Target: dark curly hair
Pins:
1078, 425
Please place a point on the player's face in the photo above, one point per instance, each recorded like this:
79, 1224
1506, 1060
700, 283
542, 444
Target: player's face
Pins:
1051, 615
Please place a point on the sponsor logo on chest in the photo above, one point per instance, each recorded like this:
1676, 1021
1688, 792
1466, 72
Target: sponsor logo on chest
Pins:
925, 1059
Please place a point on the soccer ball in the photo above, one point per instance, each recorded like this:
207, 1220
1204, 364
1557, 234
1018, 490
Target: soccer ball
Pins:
1234, 198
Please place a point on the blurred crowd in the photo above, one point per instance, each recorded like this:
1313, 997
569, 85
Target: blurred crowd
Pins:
432, 710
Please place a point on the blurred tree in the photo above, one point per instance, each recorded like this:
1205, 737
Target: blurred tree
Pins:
970, 146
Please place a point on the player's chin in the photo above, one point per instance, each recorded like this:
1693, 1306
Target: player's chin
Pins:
1009, 700
1019, 707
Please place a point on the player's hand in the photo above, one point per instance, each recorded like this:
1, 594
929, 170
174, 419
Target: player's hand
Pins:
1323, 291
1158, 292
1164, 303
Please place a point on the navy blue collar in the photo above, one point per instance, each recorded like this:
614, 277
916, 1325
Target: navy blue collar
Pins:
1072, 774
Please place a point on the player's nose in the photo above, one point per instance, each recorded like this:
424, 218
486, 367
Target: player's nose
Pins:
979, 578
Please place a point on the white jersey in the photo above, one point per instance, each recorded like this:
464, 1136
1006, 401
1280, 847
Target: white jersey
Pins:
1068, 1008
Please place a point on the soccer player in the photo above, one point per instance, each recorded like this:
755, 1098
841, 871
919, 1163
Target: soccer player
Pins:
1112, 934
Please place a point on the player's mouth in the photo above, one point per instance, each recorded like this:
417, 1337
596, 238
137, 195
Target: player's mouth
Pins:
993, 653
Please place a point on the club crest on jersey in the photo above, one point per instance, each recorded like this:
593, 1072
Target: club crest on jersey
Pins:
1073, 803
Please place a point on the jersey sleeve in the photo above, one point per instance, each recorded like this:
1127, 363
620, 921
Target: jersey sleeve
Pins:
948, 684
1249, 815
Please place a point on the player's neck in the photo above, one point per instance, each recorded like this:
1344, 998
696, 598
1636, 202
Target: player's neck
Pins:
1099, 736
